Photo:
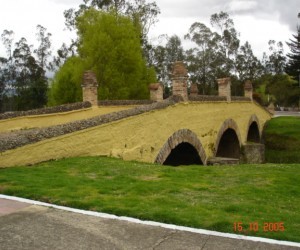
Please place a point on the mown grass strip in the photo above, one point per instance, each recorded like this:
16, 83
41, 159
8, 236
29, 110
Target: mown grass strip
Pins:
208, 197
282, 140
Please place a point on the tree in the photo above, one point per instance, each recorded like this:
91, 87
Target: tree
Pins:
293, 65
247, 65
142, 13
275, 62
229, 42
109, 45
22, 80
165, 56
283, 89
63, 54
6, 67
204, 60
29, 81
66, 86
43, 52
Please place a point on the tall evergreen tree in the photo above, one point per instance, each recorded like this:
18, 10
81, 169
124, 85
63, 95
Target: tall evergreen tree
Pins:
293, 64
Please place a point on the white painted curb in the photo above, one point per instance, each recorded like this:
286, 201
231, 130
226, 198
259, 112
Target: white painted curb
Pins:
153, 223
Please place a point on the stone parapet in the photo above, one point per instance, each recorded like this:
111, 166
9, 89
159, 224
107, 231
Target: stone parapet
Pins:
240, 99
194, 90
48, 110
248, 90
21, 138
207, 98
156, 92
253, 153
179, 78
224, 85
124, 102
90, 88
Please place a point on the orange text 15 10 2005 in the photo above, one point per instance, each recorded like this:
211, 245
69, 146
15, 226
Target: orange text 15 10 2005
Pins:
255, 227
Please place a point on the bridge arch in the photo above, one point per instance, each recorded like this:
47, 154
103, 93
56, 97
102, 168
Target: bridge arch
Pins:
253, 132
228, 143
182, 148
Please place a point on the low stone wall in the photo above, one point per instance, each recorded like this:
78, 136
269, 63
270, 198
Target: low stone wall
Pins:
49, 110
240, 98
213, 98
124, 102
20, 138
207, 98
253, 153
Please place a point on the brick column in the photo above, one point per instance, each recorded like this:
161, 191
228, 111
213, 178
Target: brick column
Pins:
90, 88
179, 78
225, 88
194, 89
156, 92
248, 90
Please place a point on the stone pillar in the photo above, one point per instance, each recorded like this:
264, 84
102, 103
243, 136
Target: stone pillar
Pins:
156, 92
253, 153
224, 85
194, 89
90, 88
271, 108
179, 78
248, 90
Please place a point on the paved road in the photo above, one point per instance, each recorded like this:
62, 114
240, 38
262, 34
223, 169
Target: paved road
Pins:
24, 226
286, 113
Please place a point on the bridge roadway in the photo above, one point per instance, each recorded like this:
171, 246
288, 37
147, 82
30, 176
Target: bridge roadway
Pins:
186, 131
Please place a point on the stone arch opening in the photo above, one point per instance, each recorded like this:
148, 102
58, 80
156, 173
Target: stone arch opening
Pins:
253, 133
182, 148
183, 154
229, 145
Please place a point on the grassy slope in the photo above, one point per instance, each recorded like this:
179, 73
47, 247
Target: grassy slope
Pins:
211, 197
282, 140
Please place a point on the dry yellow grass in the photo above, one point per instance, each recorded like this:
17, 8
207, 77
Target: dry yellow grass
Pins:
39, 121
141, 137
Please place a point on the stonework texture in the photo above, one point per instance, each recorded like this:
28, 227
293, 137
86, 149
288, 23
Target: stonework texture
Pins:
20, 138
194, 90
124, 102
90, 88
180, 136
225, 88
253, 153
248, 90
179, 80
156, 92
49, 110
135, 134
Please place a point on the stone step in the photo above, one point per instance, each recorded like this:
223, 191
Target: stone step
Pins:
223, 161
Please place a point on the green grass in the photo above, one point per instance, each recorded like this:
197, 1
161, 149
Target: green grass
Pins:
282, 140
209, 197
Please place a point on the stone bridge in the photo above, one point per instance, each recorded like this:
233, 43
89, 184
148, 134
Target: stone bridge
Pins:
196, 130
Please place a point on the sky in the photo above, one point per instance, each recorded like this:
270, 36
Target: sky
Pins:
257, 21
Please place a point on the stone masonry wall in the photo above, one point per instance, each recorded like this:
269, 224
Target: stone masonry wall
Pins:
20, 138
124, 102
49, 110
225, 88
90, 88
156, 92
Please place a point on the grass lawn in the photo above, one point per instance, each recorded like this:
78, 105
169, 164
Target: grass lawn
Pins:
209, 197
282, 140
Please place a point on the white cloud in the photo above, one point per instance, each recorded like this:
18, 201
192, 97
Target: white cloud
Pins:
257, 20
237, 6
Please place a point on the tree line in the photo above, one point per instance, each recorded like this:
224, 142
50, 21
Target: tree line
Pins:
112, 40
